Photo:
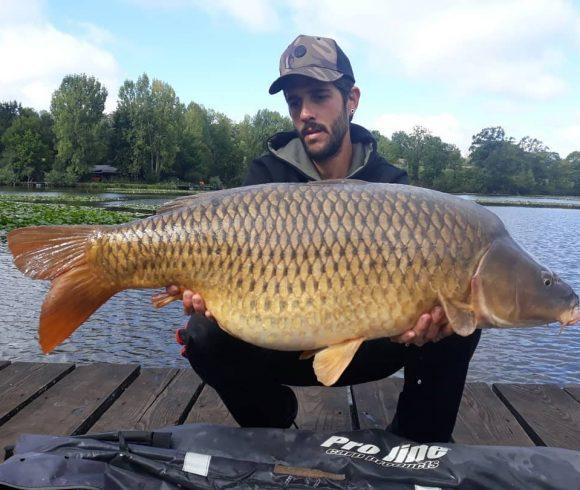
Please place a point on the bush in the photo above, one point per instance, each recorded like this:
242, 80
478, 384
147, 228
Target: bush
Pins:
8, 177
60, 178
216, 183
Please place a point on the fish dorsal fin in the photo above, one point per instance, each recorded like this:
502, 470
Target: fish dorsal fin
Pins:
337, 181
331, 362
180, 202
185, 201
461, 316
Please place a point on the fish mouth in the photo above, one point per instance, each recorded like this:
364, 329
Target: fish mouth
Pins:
570, 317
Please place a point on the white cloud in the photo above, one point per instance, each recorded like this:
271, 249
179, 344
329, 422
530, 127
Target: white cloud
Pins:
36, 56
444, 125
514, 48
565, 139
257, 15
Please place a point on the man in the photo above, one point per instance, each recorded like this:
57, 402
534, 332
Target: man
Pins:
318, 84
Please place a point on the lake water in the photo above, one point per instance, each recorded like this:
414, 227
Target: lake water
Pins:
127, 329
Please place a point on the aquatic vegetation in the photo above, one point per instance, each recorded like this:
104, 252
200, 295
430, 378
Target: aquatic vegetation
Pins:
17, 214
147, 191
59, 197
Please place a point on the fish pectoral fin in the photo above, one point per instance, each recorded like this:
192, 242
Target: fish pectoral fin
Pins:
461, 316
307, 354
331, 362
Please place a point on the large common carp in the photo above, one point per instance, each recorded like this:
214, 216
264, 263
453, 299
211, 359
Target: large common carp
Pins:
318, 267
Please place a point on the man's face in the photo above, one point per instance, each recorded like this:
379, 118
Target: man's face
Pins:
319, 116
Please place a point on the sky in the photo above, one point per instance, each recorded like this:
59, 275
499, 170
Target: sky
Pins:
453, 67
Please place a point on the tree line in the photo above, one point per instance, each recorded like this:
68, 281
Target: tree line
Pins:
153, 137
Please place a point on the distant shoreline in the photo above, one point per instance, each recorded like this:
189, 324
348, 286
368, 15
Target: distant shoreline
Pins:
528, 204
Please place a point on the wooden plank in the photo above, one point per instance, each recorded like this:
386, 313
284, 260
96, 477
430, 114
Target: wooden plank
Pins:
376, 402
22, 382
158, 398
547, 413
483, 419
573, 390
323, 409
72, 404
209, 409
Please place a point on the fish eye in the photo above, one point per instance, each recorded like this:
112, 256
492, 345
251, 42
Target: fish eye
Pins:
548, 279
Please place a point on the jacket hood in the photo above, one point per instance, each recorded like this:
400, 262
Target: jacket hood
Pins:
288, 147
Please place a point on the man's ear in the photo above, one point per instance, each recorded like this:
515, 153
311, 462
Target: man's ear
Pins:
353, 98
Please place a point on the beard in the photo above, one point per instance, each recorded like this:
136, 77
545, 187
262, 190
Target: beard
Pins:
338, 129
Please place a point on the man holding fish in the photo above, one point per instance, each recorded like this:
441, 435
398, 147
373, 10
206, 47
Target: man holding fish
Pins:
318, 84
316, 274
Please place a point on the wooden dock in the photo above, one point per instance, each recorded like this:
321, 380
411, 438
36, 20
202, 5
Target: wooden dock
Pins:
50, 398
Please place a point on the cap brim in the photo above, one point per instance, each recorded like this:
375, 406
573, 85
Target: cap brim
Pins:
321, 74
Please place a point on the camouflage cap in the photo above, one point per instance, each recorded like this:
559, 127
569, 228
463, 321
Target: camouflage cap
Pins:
315, 57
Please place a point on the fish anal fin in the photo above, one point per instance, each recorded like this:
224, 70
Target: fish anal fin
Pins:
72, 298
331, 362
461, 316
307, 354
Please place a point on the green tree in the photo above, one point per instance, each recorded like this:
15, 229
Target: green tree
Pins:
571, 173
411, 147
541, 167
8, 112
227, 161
195, 158
437, 156
253, 133
498, 158
154, 118
386, 148
79, 125
27, 152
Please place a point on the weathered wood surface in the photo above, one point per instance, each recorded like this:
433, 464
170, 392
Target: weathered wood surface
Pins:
547, 413
45, 398
375, 403
574, 390
22, 382
323, 409
72, 404
157, 398
209, 409
484, 419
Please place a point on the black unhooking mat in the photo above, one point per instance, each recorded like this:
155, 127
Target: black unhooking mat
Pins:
208, 456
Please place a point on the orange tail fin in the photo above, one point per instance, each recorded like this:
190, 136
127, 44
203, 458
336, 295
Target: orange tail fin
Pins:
58, 253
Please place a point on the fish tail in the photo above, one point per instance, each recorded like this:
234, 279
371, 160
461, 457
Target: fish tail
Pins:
59, 254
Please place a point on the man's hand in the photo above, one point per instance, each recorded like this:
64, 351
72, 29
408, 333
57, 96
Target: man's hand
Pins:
192, 302
431, 327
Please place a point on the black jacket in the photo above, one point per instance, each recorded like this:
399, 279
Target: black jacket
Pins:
271, 168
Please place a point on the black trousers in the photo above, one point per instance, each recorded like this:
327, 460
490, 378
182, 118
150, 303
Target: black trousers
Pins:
251, 380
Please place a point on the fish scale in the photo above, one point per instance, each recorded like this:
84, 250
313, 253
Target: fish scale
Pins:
264, 258
317, 267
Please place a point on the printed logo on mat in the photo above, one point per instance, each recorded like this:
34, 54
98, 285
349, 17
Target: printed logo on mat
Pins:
408, 456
